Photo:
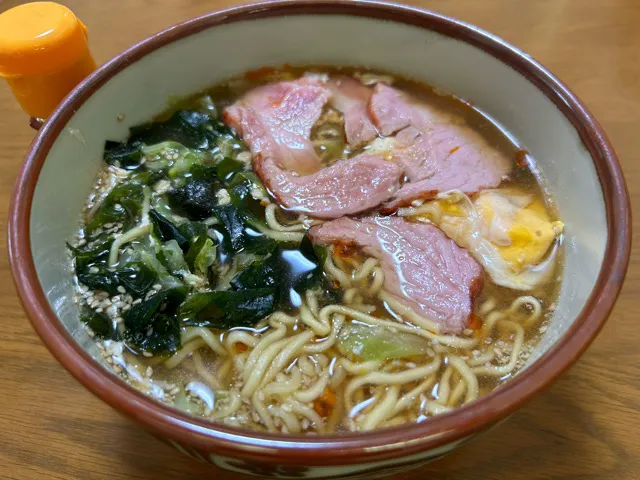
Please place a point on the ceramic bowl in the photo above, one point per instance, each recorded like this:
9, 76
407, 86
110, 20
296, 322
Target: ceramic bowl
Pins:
571, 149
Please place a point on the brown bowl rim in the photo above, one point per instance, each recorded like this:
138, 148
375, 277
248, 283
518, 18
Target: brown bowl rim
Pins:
334, 449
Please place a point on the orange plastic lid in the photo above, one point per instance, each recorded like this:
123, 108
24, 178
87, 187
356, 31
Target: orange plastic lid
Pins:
40, 38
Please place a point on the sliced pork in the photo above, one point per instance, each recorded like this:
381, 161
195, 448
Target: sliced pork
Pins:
423, 268
276, 120
352, 98
437, 151
347, 187
391, 111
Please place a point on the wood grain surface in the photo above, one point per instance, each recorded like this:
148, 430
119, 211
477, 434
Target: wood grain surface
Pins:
585, 427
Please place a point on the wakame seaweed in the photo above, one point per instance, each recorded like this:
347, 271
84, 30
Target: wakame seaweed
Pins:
190, 128
99, 323
123, 155
207, 212
166, 230
152, 326
290, 270
227, 309
136, 278
85, 258
234, 227
196, 199
226, 168
261, 273
122, 205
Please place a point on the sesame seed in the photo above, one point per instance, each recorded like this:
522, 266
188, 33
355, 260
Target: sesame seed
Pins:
121, 289
147, 354
157, 286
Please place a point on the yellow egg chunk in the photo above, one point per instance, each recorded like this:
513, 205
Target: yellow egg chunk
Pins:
531, 234
514, 223
485, 209
451, 208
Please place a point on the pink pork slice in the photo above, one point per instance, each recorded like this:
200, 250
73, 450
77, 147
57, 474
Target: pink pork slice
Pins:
347, 187
276, 121
352, 99
438, 151
423, 268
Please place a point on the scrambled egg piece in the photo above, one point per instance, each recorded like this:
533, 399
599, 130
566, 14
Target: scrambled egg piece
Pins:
518, 225
508, 231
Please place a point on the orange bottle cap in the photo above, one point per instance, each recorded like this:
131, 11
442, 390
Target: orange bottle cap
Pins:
39, 38
44, 53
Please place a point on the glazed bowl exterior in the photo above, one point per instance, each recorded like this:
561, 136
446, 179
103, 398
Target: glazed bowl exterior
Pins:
571, 150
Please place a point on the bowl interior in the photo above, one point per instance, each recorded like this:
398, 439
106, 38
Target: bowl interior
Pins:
188, 65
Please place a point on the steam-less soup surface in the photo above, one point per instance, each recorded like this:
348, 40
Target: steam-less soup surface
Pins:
317, 250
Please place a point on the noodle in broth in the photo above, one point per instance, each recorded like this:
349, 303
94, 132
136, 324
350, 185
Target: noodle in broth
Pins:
291, 371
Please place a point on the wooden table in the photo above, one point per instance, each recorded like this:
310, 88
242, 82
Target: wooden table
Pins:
585, 426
